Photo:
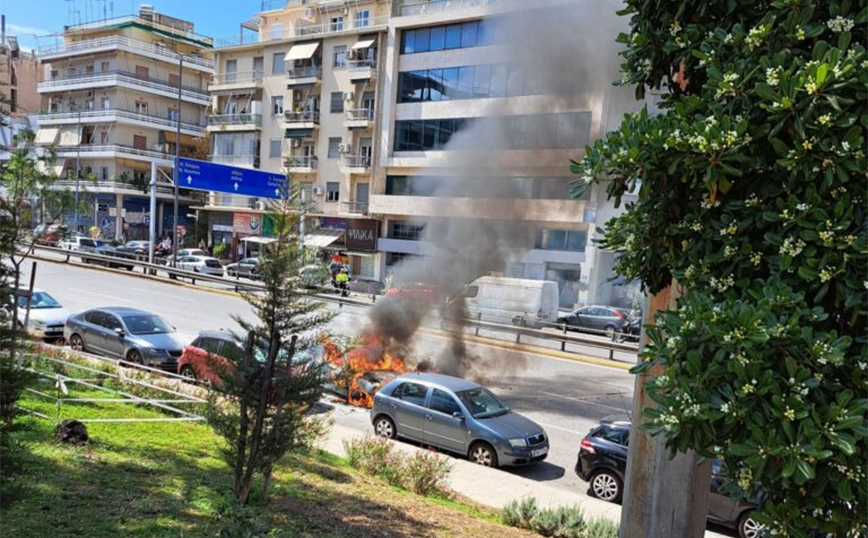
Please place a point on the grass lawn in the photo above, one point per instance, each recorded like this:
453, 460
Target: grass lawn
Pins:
160, 480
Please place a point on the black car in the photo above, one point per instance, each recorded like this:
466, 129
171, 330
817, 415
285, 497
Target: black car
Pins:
105, 250
602, 462
607, 320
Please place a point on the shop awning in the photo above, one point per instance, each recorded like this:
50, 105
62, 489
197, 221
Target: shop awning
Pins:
322, 238
302, 51
364, 44
70, 135
47, 135
259, 240
55, 170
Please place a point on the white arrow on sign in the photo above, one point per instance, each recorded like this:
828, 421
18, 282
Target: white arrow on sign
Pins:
277, 192
236, 185
189, 180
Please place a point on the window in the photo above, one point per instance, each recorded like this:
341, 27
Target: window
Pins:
340, 57
88, 70
276, 30
334, 148
406, 231
619, 436
173, 114
569, 240
104, 173
278, 66
470, 292
333, 191
141, 107
423, 40
104, 66
337, 102
437, 40
111, 322
274, 147
366, 267
140, 142
277, 105
96, 318
258, 64
363, 18
142, 71
446, 37
443, 402
468, 34
411, 393
231, 71
337, 24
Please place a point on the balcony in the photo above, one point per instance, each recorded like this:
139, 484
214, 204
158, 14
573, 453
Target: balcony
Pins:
302, 28
132, 46
112, 151
361, 71
303, 76
479, 208
359, 118
305, 119
118, 115
124, 79
356, 208
234, 122
183, 33
432, 7
247, 161
164, 192
230, 82
301, 164
356, 164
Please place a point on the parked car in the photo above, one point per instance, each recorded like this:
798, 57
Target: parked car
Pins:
47, 315
79, 242
602, 461
50, 234
607, 320
457, 416
247, 267
201, 264
112, 252
512, 300
126, 333
184, 252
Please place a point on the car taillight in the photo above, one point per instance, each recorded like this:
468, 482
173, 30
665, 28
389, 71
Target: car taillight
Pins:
619, 314
587, 446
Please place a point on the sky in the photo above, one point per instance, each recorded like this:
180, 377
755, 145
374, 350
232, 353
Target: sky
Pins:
30, 18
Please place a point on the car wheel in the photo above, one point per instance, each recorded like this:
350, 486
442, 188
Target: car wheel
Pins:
384, 427
610, 332
135, 356
748, 527
188, 372
606, 486
483, 454
76, 343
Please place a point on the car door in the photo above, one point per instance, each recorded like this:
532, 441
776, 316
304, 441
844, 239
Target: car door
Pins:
92, 331
441, 427
615, 443
113, 344
585, 318
720, 506
409, 410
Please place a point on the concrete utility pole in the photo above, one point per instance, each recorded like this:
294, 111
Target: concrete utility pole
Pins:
152, 224
662, 497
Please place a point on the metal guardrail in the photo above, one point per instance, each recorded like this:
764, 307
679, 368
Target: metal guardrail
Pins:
476, 325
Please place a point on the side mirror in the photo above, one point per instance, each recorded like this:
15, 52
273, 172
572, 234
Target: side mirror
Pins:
120, 332
459, 415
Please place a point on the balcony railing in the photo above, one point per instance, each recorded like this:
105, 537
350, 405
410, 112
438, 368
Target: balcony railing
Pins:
304, 72
182, 33
113, 114
356, 161
86, 149
428, 7
301, 161
305, 116
302, 29
271, 5
360, 65
236, 160
126, 43
235, 119
356, 208
245, 77
360, 114
123, 76
115, 185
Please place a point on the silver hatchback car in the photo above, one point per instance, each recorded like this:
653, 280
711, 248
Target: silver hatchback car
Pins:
457, 416
126, 333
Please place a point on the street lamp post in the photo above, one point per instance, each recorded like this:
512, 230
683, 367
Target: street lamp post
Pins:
77, 175
177, 162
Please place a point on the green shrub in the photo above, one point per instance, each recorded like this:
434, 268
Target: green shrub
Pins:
546, 522
561, 522
422, 473
601, 528
425, 473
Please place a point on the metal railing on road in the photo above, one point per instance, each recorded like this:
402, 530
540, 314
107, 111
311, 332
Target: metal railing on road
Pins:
516, 332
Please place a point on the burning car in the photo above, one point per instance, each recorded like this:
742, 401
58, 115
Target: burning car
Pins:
360, 372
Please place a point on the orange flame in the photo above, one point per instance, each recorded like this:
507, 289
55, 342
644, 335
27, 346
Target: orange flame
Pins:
363, 369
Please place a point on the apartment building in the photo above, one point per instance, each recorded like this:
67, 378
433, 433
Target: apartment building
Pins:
485, 104
109, 106
298, 92
19, 75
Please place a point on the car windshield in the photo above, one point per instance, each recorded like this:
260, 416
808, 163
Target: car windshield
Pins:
482, 403
40, 300
147, 324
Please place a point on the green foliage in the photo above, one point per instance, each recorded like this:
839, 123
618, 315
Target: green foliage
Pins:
423, 473
220, 250
560, 522
753, 196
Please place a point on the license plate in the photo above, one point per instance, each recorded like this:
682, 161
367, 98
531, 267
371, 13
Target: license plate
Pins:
539, 452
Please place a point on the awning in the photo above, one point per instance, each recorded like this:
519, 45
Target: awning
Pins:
47, 135
299, 134
70, 135
364, 44
54, 170
302, 51
322, 238
361, 254
259, 240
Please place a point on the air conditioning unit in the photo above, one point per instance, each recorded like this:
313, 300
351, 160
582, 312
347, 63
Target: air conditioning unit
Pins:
317, 190
294, 143
308, 13
345, 148
259, 205
349, 96
346, 10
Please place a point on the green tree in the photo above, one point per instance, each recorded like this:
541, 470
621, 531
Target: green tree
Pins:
752, 196
265, 404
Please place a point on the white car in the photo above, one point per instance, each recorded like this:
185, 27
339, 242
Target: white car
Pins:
76, 243
47, 316
201, 264
185, 252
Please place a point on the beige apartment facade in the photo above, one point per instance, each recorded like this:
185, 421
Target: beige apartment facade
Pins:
109, 107
19, 75
300, 96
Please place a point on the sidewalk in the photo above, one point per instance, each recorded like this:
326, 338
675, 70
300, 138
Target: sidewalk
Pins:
493, 488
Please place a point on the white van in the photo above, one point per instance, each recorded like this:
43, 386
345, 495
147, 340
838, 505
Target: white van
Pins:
513, 301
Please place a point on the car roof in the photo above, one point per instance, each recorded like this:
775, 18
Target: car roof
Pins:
120, 310
455, 384
618, 421
221, 334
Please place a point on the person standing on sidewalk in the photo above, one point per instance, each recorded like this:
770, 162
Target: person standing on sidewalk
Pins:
343, 280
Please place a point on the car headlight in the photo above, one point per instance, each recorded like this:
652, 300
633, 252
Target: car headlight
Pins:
155, 351
38, 323
520, 442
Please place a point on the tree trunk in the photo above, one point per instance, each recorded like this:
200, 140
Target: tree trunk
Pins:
266, 482
240, 457
662, 496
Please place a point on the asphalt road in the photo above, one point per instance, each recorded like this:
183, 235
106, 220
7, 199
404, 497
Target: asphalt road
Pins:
566, 397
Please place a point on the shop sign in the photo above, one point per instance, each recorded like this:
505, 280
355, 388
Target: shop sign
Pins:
247, 223
222, 228
362, 234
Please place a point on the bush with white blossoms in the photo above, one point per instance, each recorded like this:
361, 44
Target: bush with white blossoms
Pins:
754, 197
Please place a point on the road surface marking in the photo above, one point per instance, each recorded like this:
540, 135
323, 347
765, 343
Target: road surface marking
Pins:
581, 400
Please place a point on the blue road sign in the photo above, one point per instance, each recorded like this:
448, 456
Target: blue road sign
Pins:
205, 176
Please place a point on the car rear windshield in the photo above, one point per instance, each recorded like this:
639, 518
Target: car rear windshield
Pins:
147, 324
212, 263
40, 300
482, 403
